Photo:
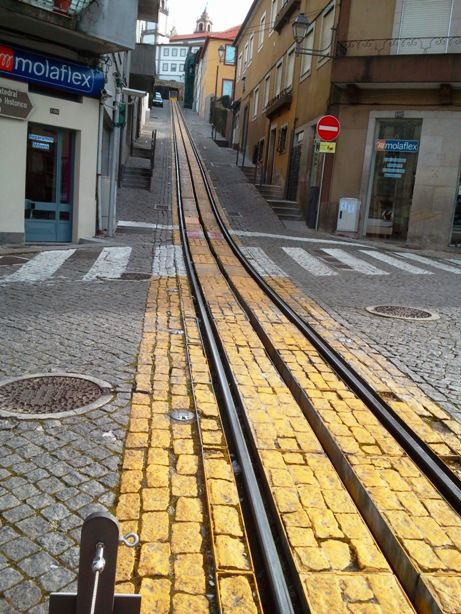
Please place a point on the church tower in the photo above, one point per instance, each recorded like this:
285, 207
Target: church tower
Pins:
203, 23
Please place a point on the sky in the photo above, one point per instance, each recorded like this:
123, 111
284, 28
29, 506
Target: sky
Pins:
223, 14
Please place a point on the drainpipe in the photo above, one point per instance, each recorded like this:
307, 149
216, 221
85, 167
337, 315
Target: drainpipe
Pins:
114, 162
99, 168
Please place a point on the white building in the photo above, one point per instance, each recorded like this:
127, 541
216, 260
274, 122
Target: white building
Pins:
154, 33
169, 62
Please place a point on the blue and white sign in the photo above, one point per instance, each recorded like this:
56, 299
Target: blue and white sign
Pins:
397, 145
17, 63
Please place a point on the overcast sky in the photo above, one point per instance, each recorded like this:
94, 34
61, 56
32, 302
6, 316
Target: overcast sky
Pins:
184, 13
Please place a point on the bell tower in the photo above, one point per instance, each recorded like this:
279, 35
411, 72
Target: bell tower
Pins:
203, 23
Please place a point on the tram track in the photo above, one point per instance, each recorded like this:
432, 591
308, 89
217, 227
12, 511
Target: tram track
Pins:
410, 566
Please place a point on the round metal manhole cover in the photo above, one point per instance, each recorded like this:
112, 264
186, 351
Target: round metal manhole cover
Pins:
402, 313
52, 395
182, 415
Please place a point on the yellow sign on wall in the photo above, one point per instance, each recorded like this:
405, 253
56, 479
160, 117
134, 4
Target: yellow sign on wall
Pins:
327, 147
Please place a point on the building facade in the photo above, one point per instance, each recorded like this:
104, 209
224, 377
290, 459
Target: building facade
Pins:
391, 73
63, 72
169, 62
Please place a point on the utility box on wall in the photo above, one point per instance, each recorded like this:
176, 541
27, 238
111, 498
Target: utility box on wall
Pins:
348, 215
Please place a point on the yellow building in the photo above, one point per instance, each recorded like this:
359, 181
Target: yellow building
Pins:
391, 72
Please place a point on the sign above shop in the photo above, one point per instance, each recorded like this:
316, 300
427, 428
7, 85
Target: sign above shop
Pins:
14, 104
328, 128
17, 63
397, 145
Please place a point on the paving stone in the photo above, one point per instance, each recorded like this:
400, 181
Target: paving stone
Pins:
55, 543
19, 548
50, 485
55, 512
9, 577
34, 527
71, 557
16, 514
37, 564
24, 595
8, 501
40, 501
55, 579
7, 534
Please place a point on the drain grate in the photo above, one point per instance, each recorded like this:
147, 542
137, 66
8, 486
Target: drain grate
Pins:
401, 312
44, 395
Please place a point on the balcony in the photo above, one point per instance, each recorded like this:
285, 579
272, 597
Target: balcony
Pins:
408, 61
279, 102
62, 7
285, 13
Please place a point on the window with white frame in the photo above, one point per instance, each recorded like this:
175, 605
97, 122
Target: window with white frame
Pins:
278, 78
183, 53
174, 52
326, 35
306, 60
245, 56
425, 18
256, 102
239, 66
274, 7
262, 25
267, 90
173, 67
165, 67
181, 68
166, 51
250, 48
290, 68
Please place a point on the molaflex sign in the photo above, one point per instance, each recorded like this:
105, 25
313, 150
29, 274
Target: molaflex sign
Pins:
397, 146
16, 63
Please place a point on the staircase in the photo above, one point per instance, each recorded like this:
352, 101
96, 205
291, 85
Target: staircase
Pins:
273, 194
136, 177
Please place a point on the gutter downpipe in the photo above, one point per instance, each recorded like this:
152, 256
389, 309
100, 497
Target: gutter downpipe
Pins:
99, 168
114, 164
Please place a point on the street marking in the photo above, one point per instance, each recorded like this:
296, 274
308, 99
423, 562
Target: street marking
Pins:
40, 267
454, 260
168, 261
125, 224
355, 263
434, 263
262, 264
307, 261
111, 263
400, 264
249, 233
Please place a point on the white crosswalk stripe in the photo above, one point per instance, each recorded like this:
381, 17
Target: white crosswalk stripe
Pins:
40, 268
111, 263
399, 264
262, 263
168, 261
434, 263
357, 264
309, 262
454, 260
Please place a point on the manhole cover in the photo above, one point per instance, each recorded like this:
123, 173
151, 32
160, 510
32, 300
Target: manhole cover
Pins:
182, 415
57, 395
403, 313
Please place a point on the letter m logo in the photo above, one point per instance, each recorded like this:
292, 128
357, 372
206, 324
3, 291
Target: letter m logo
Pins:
6, 59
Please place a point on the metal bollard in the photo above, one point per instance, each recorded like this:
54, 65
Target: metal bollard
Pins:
96, 575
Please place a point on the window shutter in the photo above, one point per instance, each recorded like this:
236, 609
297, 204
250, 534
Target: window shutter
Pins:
425, 18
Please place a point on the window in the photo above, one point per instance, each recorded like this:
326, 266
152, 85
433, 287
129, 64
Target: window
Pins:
165, 67
267, 90
425, 18
326, 36
173, 67
174, 52
306, 60
274, 7
245, 56
166, 51
229, 55
181, 68
227, 88
200, 27
282, 144
183, 53
262, 25
239, 66
250, 48
256, 102
278, 78
290, 68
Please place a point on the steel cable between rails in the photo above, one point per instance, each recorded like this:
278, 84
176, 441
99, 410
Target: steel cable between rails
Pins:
441, 476
276, 577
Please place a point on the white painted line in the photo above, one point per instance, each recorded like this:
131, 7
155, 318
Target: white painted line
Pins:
262, 263
399, 264
329, 128
307, 261
168, 261
355, 263
434, 263
248, 233
111, 263
41, 267
454, 260
125, 224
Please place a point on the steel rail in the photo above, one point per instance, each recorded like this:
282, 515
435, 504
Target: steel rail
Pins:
446, 482
273, 567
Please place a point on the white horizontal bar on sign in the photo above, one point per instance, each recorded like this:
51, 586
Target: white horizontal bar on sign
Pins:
41, 267
308, 262
357, 264
262, 263
399, 264
111, 263
434, 263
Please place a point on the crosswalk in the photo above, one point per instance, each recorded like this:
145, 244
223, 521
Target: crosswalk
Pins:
114, 263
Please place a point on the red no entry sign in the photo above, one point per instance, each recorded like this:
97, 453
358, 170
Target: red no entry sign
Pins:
328, 128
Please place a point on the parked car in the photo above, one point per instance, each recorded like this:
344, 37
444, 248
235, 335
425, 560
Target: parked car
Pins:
157, 100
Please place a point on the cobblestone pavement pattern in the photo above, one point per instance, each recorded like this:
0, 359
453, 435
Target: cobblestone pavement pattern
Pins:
53, 473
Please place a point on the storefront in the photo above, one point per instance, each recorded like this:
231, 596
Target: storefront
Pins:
49, 112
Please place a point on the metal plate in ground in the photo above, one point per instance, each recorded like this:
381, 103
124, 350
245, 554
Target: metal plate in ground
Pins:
402, 313
182, 415
52, 395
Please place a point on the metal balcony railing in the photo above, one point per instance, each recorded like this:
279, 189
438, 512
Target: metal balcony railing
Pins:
61, 7
400, 46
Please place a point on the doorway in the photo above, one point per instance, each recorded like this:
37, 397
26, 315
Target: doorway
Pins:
49, 184
271, 156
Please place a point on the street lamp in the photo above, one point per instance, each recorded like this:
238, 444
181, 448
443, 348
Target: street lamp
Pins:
221, 52
301, 28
